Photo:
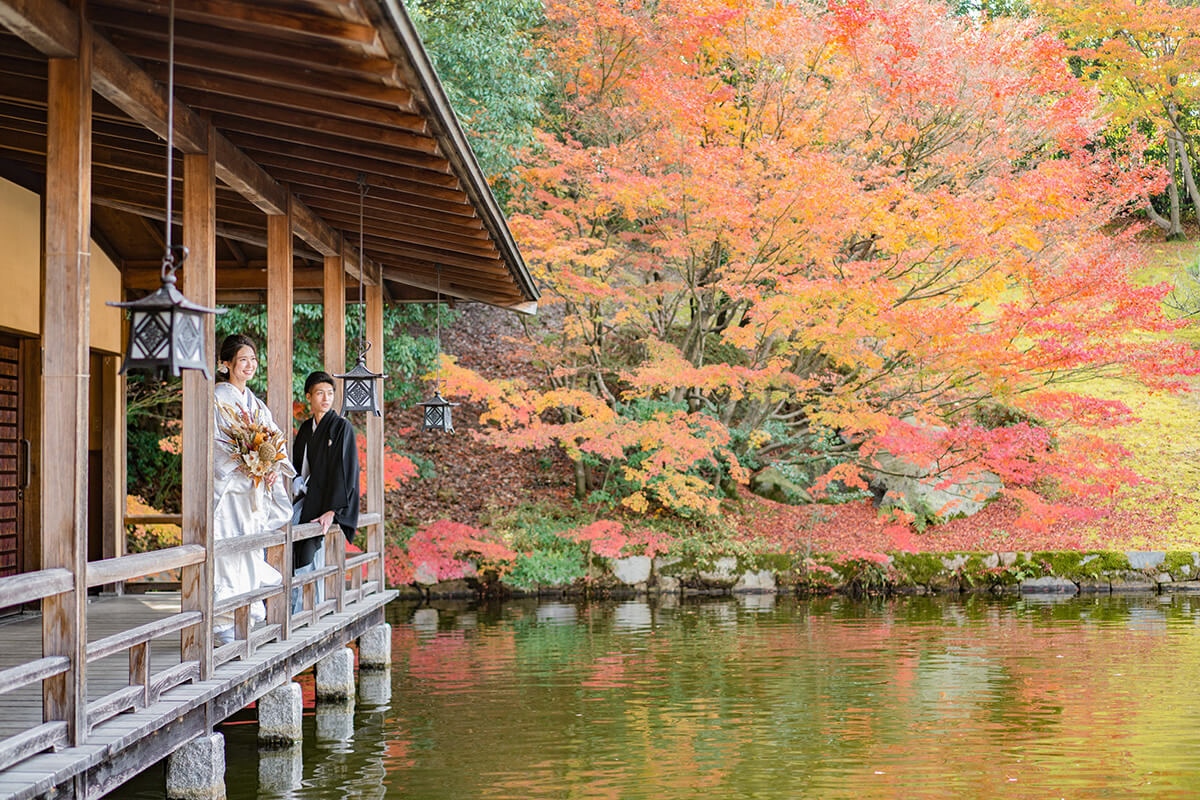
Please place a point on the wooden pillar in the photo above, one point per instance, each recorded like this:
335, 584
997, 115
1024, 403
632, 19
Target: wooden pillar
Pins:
335, 363
199, 283
64, 430
112, 455
375, 430
279, 383
335, 315
279, 320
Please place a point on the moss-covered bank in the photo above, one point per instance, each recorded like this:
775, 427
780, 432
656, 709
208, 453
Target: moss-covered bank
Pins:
1050, 572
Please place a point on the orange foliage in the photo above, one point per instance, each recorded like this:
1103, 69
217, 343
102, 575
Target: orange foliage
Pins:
773, 220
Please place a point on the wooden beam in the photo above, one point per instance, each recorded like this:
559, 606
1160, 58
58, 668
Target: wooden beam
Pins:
279, 379
209, 90
334, 300
413, 216
398, 146
375, 430
398, 133
51, 28
246, 67
271, 19
278, 164
371, 166
254, 237
200, 284
223, 39
427, 280
131, 89
65, 361
229, 278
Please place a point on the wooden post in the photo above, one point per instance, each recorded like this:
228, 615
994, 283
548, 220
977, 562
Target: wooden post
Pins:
335, 363
112, 454
64, 430
375, 426
199, 274
279, 383
335, 315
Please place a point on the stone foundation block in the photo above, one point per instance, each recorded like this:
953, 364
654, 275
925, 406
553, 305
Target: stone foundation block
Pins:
375, 648
279, 716
632, 570
196, 771
335, 676
1182, 586
1048, 585
1095, 585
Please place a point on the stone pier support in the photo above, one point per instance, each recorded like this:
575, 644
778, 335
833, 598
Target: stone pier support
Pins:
196, 771
279, 716
335, 676
375, 648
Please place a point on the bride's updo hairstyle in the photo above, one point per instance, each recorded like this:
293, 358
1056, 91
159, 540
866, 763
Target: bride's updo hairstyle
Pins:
230, 346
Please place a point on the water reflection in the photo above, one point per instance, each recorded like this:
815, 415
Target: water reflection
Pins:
762, 697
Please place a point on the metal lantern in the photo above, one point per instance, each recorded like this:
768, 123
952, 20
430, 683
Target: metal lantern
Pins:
359, 388
166, 330
437, 414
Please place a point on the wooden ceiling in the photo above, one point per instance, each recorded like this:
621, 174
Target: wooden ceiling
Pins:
316, 94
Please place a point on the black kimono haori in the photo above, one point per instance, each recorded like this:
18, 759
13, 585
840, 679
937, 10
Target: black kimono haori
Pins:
332, 478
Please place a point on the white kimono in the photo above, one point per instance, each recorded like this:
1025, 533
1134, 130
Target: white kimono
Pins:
237, 512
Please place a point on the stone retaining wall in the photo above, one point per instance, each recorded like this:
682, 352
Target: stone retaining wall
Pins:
1055, 572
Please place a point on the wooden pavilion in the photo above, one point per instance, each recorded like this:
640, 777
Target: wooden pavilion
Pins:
281, 108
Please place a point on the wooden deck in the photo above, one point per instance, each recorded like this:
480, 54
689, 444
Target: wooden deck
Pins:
22, 637
118, 749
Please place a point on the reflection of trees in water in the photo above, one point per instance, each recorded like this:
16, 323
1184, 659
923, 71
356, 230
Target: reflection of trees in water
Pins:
651, 699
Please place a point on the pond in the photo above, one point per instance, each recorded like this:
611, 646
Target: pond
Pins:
760, 697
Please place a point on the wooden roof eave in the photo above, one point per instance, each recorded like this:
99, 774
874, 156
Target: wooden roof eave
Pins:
404, 45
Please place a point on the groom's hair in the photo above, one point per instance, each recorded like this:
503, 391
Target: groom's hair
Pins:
318, 377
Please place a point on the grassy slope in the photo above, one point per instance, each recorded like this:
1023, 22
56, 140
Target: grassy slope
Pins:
1164, 440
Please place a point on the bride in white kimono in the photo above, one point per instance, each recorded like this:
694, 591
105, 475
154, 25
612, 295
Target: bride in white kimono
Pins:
240, 508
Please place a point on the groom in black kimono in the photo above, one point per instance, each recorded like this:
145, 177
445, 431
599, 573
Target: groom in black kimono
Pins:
326, 491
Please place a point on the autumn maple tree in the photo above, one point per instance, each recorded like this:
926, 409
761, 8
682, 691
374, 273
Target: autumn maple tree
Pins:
802, 235
1144, 56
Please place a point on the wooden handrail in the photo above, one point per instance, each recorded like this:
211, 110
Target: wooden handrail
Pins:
369, 518
154, 519
236, 545
30, 586
123, 568
24, 674
245, 598
102, 648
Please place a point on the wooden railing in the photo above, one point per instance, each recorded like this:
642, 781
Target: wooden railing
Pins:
342, 577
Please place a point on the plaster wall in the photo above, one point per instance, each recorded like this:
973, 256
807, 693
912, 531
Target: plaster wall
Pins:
20, 273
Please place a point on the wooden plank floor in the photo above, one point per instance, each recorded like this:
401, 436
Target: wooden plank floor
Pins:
21, 641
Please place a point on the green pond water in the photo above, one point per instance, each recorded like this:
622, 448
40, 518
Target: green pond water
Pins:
758, 697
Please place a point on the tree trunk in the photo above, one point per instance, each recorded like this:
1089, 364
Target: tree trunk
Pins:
1176, 230
582, 486
1189, 180
1156, 218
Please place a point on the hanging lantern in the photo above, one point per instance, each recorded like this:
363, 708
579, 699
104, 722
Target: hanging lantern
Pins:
437, 414
166, 330
359, 391
437, 410
359, 387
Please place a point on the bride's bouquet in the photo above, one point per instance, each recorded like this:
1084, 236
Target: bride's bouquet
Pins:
257, 447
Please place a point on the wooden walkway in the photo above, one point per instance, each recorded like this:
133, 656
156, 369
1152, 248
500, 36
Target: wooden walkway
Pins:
118, 749
21, 639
